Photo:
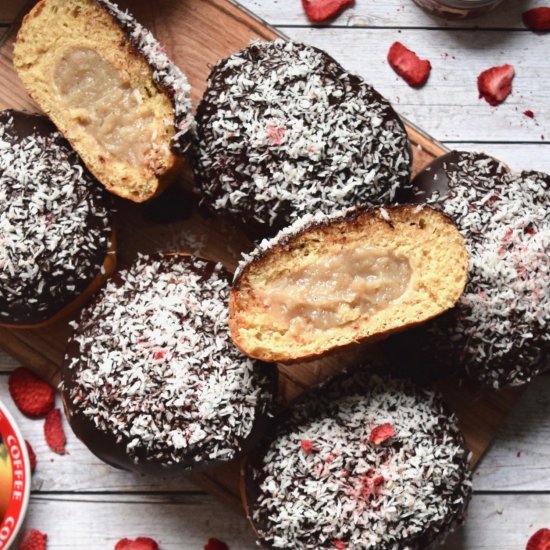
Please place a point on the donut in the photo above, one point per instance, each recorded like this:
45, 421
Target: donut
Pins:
498, 332
111, 90
56, 236
365, 462
329, 282
283, 130
151, 379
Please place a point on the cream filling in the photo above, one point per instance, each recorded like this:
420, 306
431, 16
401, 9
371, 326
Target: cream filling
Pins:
349, 285
97, 99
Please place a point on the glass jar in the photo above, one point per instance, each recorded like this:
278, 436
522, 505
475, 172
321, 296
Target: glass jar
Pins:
458, 9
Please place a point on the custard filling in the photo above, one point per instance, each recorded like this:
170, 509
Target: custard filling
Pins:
97, 99
349, 285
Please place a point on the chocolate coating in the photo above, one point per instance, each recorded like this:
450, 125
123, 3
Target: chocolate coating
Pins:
203, 402
319, 481
497, 334
55, 221
284, 130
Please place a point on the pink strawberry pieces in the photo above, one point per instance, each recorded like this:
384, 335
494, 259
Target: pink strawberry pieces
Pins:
32, 396
381, 433
319, 11
529, 113
141, 543
539, 541
307, 446
339, 544
54, 433
413, 70
537, 19
33, 539
495, 84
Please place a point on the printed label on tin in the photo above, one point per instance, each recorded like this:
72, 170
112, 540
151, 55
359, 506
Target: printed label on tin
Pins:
12, 481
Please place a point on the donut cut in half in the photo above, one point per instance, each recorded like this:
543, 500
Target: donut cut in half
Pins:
328, 282
110, 89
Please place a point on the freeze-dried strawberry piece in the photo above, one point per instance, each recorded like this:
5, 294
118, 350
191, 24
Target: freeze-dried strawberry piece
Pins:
33, 397
413, 70
537, 19
529, 113
215, 544
53, 430
32, 456
539, 541
319, 11
380, 434
33, 540
339, 545
495, 84
307, 446
141, 543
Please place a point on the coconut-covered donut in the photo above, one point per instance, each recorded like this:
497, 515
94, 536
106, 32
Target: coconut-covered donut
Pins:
151, 377
365, 462
498, 331
55, 224
283, 130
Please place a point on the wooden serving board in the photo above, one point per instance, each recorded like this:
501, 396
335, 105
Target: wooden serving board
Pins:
196, 33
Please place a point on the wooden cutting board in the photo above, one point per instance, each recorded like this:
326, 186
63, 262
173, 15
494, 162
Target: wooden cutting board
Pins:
196, 33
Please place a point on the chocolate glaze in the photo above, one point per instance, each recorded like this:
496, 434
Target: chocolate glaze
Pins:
104, 443
437, 356
33, 306
317, 400
228, 167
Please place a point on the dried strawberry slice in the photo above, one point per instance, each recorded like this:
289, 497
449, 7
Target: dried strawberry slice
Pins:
215, 544
54, 433
33, 397
320, 11
413, 70
539, 541
141, 543
495, 84
380, 434
537, 19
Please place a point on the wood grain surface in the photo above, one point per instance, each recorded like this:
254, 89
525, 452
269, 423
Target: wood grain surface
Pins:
191, 32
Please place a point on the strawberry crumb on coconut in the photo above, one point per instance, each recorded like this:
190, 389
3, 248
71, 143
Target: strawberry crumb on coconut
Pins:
537, 19
319, 11
495, 84
339, 545
215, 544
141, 543
54, 433
380, 434
539, 541
33, 540
307, 446
32, 396
413, 70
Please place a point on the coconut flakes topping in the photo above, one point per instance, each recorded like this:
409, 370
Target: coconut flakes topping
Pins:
156, 367
322, 484
499, 326
55, 222
166, 74
284, 130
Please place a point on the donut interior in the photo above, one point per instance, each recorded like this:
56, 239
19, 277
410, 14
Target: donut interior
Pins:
79, 66
361, 277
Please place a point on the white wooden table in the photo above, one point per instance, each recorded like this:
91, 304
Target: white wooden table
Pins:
81, 503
